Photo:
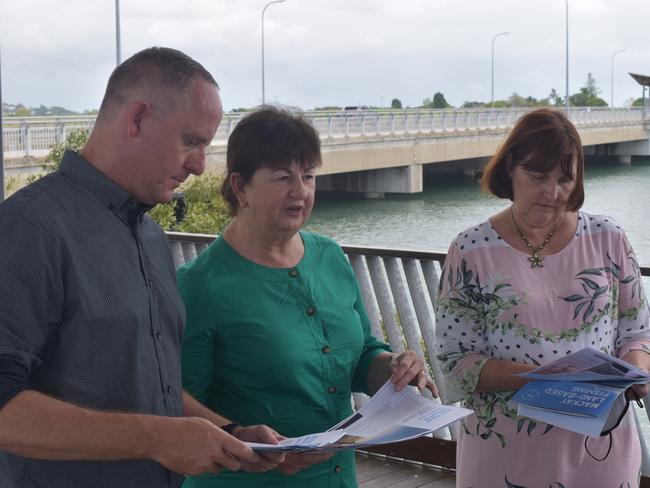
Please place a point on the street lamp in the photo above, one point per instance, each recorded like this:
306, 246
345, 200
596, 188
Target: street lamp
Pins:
118, 48
612, 93
264, 10
492, 91
2, 161
566, 68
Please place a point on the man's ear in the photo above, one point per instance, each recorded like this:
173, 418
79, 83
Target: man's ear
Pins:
136, 113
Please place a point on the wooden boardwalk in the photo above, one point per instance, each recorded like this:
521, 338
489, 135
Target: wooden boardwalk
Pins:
375, 471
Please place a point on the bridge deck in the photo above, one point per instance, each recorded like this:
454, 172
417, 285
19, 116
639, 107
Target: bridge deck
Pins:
375, 471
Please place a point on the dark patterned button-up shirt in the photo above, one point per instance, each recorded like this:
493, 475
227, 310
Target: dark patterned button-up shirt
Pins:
89, 314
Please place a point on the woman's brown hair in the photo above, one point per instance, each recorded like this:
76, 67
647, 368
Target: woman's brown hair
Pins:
539, 141
268, 137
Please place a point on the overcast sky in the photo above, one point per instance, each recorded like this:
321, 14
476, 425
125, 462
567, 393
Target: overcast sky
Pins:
328, 52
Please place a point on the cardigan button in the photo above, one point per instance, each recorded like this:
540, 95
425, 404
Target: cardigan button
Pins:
311, 311
293, 273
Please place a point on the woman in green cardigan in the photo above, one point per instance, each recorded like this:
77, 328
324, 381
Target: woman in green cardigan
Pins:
277, 332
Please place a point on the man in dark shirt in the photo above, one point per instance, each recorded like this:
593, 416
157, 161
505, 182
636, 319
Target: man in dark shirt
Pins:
90, 319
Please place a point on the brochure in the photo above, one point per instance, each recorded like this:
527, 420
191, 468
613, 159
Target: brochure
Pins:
388, 417
581, 392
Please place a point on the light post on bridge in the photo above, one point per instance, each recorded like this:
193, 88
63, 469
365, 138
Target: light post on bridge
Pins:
492, 90
118, 47
566, 55
612, 92
2, 160
264, 10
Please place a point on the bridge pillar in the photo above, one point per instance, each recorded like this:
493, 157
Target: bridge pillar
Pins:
374, 183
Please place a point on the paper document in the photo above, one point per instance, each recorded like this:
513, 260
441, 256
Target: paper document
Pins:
388, 417
581, 392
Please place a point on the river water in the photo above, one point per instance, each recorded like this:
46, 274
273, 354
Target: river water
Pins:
430, 220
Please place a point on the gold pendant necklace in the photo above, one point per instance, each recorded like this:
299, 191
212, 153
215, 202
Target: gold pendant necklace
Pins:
536, 259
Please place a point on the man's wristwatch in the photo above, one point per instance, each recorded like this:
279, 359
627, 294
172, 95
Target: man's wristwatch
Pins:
230, 428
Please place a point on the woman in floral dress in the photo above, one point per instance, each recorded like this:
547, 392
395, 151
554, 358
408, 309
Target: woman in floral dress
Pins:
533, 283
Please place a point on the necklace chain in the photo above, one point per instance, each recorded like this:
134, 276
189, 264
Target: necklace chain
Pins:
536, 259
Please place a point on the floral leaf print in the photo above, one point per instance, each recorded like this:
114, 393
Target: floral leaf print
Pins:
531, 427
520, 424
512, 485
548, 427
591, 271
578, 308
573, 298
590, 283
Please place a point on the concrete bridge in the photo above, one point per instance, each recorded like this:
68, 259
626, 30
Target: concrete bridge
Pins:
378, 152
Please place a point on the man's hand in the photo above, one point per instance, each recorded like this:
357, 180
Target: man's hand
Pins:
407, 368
192, 446
297, 462
265, 435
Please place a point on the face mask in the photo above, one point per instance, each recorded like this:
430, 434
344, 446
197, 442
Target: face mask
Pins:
616, 414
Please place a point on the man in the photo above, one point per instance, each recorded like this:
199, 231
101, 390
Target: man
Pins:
90, 319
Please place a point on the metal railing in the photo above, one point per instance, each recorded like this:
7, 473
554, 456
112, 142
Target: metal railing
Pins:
399, 288
26, 136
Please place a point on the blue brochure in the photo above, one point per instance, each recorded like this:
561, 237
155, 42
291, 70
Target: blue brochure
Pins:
569, 397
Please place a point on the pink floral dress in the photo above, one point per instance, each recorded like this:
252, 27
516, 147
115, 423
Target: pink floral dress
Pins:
492, 304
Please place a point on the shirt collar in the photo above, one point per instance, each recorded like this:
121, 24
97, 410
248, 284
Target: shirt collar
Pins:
116, 198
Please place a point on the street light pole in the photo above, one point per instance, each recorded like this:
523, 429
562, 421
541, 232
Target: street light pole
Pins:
118, 47
566, 55
264, 10
2, 159
492, 90
612, 92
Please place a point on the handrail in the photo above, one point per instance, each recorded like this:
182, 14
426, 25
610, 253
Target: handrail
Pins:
24, 135
354, 249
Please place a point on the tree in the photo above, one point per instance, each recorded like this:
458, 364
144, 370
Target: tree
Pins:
75, 141
396, 103
22, 111
588, 95
205, 211
439, 101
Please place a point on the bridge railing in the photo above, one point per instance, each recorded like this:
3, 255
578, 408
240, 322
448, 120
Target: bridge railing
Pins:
29, 136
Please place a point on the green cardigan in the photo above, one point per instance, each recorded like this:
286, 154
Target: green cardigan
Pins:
282, 347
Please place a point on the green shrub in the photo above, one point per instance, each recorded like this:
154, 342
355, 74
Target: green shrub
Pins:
75, 140
205, 213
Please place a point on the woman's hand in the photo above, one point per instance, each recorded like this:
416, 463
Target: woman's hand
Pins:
641, 360
409, 368
265, 435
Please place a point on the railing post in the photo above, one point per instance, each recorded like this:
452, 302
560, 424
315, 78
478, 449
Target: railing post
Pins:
330, 122
392, 123
24, 135
60, 133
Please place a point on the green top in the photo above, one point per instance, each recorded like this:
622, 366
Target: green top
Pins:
278, 346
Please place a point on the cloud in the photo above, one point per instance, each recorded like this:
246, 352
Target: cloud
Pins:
322, 52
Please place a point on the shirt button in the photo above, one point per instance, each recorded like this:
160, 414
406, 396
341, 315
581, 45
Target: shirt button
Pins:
332, 389
338, 469
158, 335
293, 273
169, 389
326, 350
311, 311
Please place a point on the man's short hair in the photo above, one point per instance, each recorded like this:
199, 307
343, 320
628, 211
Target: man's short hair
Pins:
157, 67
